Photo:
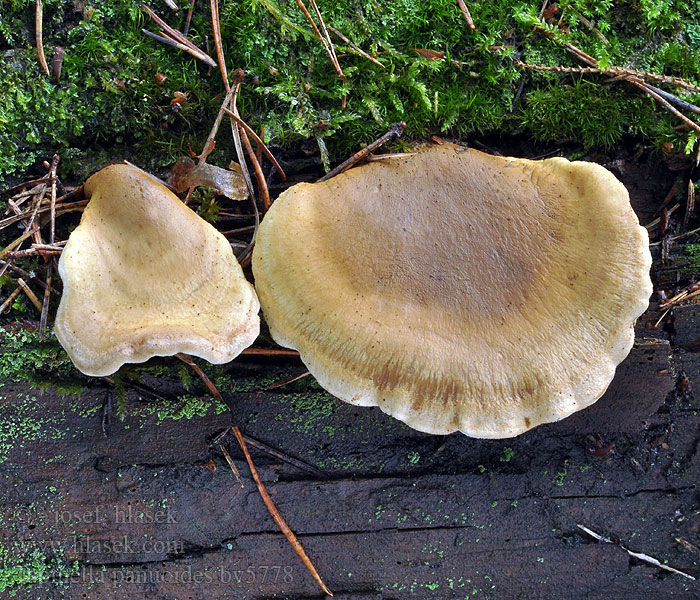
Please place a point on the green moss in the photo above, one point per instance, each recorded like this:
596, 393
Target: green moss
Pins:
108, 102
23, 358
186, 407
694, 251
559, 478
22, 421
20, 568
309, 411
508, 453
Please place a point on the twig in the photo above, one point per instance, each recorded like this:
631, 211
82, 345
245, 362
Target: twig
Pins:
216, 26
52, 237
357, 49
247, 229
186, 28
45, 304
17, 242
638, 555
202, 375
689, 203
661, 318
239, 137
39, 29
52, 212
30, 294
198, 54
656, 222
177, 38
636, 78
269, 352
295, 462
231, 464
292, 379
277, 517
331, 50
288, 533
210, 144
394, 131
682, 541
4, 306
25, 184
258, 141
667, 105
466, 13
675, 99
35, 250
326, 47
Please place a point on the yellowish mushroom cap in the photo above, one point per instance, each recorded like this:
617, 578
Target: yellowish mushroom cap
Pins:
456, 290
144, 276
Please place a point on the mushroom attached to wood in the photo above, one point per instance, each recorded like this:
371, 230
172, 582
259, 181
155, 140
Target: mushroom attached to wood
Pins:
456, 290
144, 276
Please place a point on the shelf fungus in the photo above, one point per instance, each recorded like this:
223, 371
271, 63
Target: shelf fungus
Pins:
144, 276
456, 290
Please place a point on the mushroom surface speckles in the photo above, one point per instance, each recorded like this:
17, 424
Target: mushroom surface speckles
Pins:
144, 276
458, 290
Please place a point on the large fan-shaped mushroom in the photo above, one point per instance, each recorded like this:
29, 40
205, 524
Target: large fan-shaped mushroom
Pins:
458, 290
143, 275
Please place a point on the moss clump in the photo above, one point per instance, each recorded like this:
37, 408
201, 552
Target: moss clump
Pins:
309, 412
24, 569
186, 407
694, 251
24, 358
439, 75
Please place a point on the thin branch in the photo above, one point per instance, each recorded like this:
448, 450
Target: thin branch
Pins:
52, 212
638, 555
295, 462
17, 242
331, 50
25, 184
326, 47
176, 38
6, 304
269, 352
269, 504
39, 30
30, 294
274, 386
231, 464
277, 517
210, 144
667, 105
186, 29
201, 374
52, 238
466, 13
394, 131
198, 54
357, 49
258, 141
216, 26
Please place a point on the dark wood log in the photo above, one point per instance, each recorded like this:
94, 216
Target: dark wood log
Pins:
96, 507
400, 514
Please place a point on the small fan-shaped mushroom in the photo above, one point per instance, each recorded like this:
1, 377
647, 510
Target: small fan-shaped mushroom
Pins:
458, 290
144, 276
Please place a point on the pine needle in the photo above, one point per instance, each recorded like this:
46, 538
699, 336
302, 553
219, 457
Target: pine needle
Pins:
272, 509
